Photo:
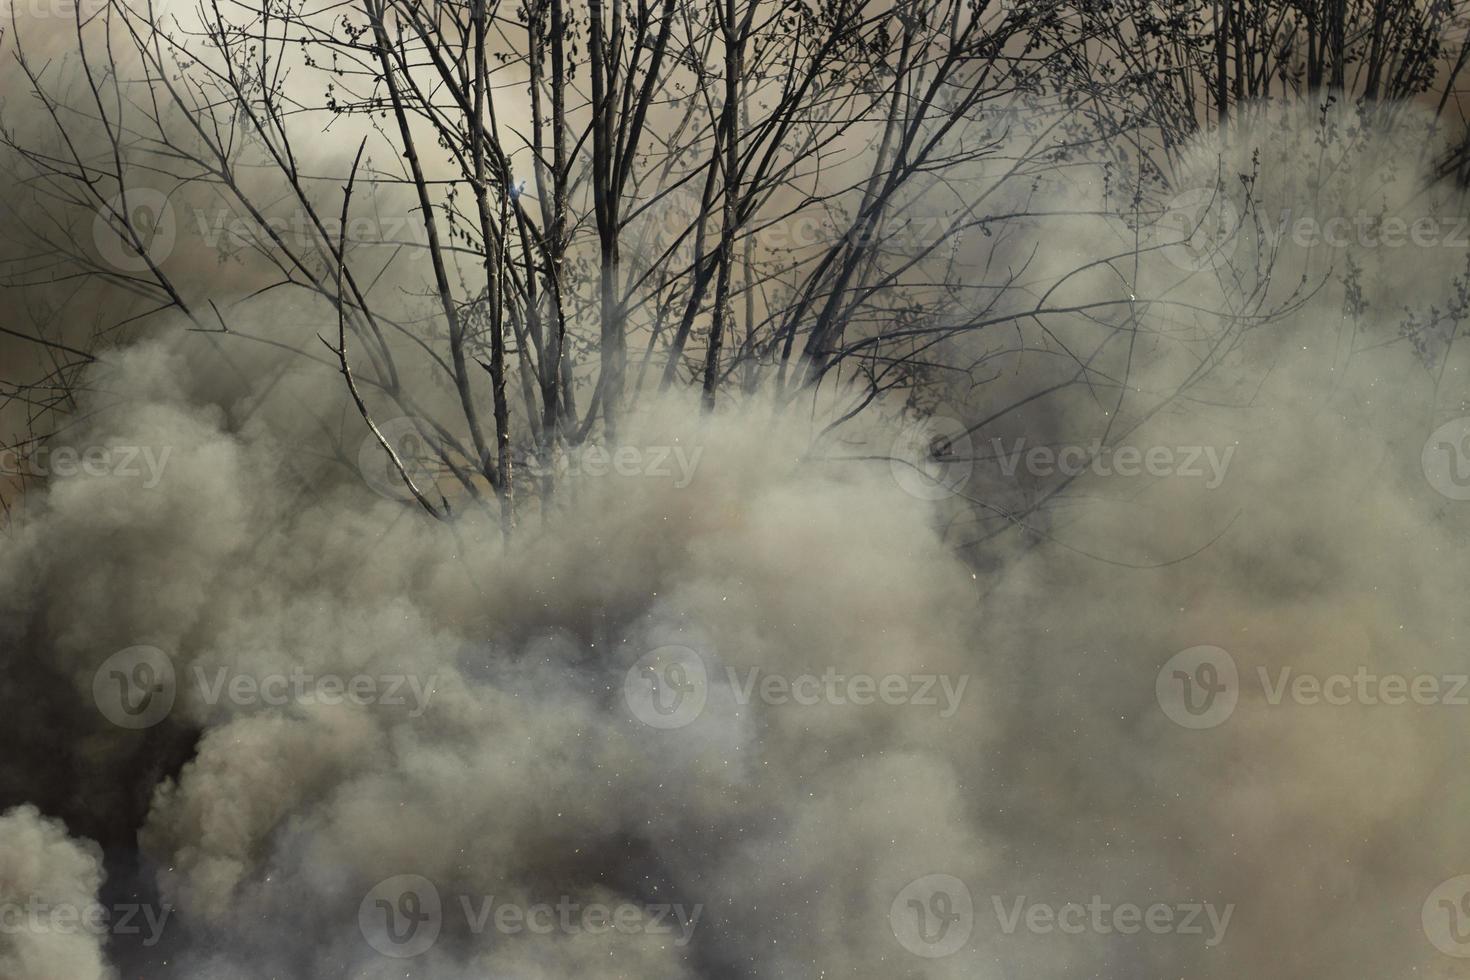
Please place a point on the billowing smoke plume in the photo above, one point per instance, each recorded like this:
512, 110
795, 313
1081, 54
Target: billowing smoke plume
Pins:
752, 700
41, 869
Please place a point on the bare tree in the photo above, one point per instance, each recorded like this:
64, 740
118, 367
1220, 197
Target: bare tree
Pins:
611, 201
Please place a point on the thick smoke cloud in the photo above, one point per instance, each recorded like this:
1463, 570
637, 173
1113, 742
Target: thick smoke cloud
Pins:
516, 768
506, 756
48, 882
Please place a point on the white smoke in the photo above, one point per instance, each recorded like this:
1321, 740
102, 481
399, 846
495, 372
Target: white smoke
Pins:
48, 891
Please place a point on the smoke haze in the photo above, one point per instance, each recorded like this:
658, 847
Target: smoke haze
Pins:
511, 745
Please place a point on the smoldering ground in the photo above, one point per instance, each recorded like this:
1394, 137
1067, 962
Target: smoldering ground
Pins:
836, 839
